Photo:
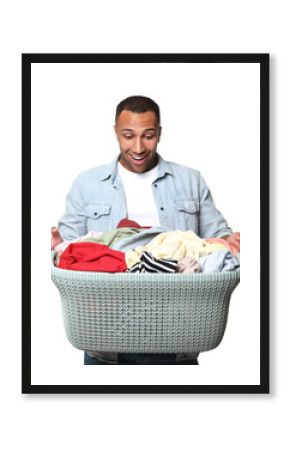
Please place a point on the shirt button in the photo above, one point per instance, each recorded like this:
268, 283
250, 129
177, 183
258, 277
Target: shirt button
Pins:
95, 213
155, 185
162, 209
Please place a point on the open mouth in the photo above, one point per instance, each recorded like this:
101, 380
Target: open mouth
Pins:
139, 159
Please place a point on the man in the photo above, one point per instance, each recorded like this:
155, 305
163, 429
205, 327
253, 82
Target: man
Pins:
140, 185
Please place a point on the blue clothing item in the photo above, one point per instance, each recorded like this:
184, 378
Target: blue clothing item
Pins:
220, 261
142, 238
96, 202
142, 358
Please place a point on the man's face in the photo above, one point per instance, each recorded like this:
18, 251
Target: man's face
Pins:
138, 135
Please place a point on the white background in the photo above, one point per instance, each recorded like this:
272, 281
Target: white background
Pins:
222, 421
210, 115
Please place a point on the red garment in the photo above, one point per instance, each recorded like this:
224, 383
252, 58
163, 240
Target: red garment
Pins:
129, 223
92, 257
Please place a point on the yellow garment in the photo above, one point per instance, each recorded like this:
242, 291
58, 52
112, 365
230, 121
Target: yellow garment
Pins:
173, 245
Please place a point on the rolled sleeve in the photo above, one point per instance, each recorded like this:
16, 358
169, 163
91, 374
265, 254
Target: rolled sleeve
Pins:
211, 221
73, 223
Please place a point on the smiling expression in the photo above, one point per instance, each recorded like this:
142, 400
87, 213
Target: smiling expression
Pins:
138, 135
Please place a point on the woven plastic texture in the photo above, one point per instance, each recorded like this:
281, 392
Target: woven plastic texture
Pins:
145, 313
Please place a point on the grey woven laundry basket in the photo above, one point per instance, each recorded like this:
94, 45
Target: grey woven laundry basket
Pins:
145, 313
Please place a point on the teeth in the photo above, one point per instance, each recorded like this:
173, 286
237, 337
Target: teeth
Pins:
138, 158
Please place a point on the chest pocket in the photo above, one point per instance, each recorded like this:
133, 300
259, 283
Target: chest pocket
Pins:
187, 206
187, 215
98, 215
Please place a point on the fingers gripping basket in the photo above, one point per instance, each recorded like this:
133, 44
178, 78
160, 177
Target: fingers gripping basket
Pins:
144, 313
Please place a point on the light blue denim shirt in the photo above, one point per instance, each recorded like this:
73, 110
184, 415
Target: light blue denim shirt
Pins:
97, 202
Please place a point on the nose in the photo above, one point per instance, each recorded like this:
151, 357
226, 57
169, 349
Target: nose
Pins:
138, 148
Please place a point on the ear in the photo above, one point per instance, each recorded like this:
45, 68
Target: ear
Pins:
159, 133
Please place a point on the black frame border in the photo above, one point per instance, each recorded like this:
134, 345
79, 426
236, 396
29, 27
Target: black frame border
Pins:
260, 58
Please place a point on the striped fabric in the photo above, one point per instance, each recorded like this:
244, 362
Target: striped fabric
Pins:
150, 264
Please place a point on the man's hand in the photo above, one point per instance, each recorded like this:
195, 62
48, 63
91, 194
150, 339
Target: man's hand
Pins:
234, 241
55, 237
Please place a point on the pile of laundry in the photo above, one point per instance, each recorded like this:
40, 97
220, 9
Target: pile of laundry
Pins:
132, 248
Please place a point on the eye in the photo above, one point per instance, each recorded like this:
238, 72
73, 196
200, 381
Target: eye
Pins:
128, 136
149, 136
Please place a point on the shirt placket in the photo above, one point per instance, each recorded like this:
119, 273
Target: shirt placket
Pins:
160, 203
119, 212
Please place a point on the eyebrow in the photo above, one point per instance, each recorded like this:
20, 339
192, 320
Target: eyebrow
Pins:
130, 129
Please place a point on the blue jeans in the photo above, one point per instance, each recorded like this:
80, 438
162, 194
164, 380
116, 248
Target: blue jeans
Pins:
140, 358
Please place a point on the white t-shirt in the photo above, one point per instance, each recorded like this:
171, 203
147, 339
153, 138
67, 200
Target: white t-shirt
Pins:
139, 196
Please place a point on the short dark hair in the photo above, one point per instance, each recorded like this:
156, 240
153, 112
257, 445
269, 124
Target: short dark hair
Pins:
138, 104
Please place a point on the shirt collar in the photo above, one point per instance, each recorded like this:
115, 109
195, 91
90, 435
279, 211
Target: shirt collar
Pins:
163, 167
110, 170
